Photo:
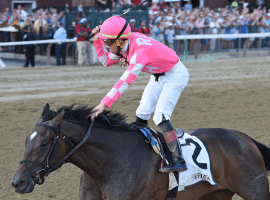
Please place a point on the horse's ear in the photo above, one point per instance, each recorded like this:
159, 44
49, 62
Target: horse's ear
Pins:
58, 118
46, 109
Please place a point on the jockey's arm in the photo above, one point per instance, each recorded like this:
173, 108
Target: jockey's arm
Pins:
137, 63
105, 57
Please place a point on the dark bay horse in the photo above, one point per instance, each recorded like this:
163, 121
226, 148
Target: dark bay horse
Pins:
119, 165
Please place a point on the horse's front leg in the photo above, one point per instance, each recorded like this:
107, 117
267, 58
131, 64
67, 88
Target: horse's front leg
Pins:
89, 190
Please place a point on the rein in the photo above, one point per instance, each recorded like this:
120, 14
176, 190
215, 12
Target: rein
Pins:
47, 169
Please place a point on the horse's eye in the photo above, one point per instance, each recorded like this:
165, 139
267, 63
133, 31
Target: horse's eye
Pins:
44, 144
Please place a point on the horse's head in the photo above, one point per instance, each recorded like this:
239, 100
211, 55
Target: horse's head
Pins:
40, 153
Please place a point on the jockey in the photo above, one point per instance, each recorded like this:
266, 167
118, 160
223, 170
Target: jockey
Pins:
141, 53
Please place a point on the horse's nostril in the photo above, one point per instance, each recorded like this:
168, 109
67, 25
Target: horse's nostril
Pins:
18, 184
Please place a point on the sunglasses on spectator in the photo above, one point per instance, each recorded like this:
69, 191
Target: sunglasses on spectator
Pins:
109, 42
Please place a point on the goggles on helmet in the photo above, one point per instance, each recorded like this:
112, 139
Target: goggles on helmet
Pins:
109, 42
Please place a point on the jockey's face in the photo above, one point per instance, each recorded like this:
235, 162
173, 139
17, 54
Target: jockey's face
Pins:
113, 47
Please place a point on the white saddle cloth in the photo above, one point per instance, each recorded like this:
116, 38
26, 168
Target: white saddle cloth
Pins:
198, 162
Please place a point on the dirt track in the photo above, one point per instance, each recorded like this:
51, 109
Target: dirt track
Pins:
231, 94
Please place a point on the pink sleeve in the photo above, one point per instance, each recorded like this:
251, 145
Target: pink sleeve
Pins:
105, 57
137, 63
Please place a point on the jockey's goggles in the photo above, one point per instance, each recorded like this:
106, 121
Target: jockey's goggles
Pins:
109, 42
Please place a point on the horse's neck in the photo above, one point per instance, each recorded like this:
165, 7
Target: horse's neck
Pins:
107, 149
99, 149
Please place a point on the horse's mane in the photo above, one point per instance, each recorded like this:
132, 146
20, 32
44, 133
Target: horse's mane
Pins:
79, 114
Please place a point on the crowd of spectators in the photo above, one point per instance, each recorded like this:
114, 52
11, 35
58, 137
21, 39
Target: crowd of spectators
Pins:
42, 22
167, 19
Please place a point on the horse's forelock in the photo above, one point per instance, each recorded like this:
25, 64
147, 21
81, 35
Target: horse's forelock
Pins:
48, 116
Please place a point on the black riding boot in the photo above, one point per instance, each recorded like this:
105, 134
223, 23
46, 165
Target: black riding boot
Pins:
178, 163
140, 122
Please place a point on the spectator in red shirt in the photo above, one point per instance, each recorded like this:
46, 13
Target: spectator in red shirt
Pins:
132, 23
143, 29
83, 44
135, 2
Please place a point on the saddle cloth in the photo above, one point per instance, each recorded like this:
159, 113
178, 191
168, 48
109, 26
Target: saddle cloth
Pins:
198, 162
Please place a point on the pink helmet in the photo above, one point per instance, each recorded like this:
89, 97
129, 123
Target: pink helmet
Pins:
111, 28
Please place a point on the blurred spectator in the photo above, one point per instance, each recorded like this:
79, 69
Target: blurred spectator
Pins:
126, 4
54, 20
3, 18
23, 13
243, 28
143, 29
83, 43
260, 3
80, 8
29, 35
168, 35
252, 23
266, 24
156, 32
13, 18
103, 5
206, 30
50, 26
60, 49
226, 25
62, 18
40, 25
234, 4
7, 17
214, 25
135, 2
41, 29
79, 16
132, 23
182, 26
8, 11
66, 8
2, 64
188, 7
241, 4
191, 30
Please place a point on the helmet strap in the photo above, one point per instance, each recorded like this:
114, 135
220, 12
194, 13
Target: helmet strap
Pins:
118, 42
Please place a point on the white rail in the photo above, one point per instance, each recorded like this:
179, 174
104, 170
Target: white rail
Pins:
37, 42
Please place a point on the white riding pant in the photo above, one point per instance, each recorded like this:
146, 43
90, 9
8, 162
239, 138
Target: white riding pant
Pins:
163, 95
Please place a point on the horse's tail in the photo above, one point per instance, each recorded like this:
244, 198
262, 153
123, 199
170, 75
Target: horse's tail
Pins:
265, 151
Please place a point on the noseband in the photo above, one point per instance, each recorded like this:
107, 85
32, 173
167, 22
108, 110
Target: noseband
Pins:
46, 163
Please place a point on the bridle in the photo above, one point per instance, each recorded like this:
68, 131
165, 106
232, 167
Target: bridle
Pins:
46, 163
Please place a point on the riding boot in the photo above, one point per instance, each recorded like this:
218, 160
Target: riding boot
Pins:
140, 122
178, 163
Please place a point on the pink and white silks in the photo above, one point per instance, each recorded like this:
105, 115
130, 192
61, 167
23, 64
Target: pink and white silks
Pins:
150, 56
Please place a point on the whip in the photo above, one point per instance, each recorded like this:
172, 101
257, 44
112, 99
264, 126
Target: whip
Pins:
92, 34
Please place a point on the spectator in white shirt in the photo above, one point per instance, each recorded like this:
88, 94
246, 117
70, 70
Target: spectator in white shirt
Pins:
214, 26
60, 49
23, 13
168, 35
80, 8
